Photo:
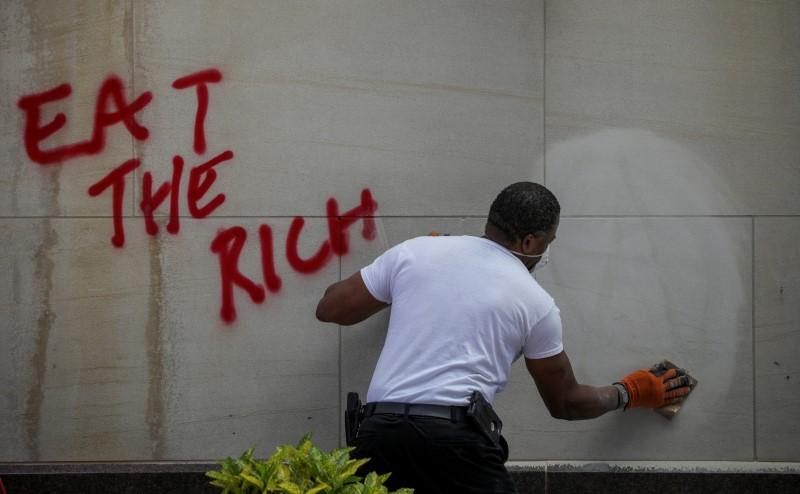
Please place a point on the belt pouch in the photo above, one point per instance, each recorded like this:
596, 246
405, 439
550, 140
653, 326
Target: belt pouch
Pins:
353, 415
482, 416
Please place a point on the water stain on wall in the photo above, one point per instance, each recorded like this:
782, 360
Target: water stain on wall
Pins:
43, 270
129, 39
44, 324
155, 353
40, 34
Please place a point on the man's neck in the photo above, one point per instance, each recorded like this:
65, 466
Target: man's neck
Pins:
492, 233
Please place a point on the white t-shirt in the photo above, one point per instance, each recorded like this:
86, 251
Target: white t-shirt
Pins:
463, 310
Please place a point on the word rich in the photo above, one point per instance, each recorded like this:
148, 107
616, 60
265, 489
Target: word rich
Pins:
112, 108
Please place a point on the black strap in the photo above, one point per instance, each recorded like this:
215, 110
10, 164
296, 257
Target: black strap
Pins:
452, 413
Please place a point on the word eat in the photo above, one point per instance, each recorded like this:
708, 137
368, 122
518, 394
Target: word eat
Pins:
112, 108
111, 91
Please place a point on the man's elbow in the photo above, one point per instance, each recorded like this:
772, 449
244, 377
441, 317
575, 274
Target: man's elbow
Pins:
560, 412
563, 410
327, 312
324, 312
564, 414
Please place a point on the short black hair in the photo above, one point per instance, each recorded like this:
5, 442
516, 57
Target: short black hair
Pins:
523, 208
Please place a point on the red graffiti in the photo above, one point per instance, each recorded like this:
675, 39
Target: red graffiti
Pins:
151, 201
116, 180
199, 79
228, 258
313, 263
201, 178
112, 90
228, 246
112, 108
338, 224
174, 224
271, 278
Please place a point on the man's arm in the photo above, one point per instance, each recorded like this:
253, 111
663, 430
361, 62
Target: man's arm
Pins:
348, 302
563, 396
566, 399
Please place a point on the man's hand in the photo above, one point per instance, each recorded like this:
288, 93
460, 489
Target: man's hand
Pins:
646, 389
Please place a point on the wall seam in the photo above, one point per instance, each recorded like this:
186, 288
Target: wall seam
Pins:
544, 93
753, 330
132, 69
339, 397
438, 216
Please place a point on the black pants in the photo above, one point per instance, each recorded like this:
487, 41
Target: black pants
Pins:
433, 455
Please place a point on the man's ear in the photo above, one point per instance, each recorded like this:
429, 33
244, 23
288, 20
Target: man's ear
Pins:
534, 241
529, 243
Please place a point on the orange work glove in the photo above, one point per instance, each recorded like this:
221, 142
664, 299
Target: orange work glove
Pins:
646, 389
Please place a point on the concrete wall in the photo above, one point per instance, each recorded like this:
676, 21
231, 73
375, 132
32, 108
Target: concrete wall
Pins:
670, 131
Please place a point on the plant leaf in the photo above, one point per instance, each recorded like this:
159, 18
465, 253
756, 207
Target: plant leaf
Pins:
351, 469
253, 480
318, 488
301, 469
290, 488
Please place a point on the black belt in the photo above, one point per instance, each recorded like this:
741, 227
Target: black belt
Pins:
454, 413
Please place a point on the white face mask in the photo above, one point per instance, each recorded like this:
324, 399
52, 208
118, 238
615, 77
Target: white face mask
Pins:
545, 258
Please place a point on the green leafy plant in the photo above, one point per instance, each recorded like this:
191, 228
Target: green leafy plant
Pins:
304, 469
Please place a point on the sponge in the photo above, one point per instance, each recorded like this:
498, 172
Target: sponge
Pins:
670, 411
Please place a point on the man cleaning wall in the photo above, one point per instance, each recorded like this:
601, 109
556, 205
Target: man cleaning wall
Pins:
463, 309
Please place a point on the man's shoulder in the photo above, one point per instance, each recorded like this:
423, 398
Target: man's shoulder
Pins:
545, 301
438, 241
526, 290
